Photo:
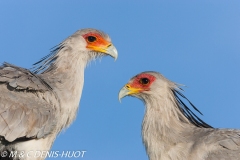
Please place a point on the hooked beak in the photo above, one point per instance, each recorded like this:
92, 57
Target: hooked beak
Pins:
112, 51
108, 48
127, 90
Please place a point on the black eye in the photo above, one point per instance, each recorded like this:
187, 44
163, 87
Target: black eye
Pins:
91, 38
144, 81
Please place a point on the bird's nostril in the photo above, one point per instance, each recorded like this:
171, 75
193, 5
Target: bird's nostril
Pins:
127, 86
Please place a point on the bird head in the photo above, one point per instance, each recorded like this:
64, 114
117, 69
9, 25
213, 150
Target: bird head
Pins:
152, 86
144, 85
94, 41
89, 43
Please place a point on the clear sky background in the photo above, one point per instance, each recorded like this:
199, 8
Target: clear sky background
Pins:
196, 43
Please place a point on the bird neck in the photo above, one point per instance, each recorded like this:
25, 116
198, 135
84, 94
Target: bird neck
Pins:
162, 126
66, 78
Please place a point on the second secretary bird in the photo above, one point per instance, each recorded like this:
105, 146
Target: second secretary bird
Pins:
170, 130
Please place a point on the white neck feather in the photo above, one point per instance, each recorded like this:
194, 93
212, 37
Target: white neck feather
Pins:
67, 80
163, 128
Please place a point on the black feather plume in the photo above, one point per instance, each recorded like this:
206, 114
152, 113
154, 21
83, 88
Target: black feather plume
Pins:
193, 118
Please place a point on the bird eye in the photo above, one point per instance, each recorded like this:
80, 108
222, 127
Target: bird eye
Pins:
144, 81
91, 38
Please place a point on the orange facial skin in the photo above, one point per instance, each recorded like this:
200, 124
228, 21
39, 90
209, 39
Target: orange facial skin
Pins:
139, 82
96, 42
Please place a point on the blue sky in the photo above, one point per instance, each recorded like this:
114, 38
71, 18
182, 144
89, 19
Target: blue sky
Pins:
190, 42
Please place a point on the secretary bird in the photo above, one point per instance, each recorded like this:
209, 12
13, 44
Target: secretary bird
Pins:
36, 105
170, 130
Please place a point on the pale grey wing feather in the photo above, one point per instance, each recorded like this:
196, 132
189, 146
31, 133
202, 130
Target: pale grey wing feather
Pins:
227, 142
25, 109
21, 79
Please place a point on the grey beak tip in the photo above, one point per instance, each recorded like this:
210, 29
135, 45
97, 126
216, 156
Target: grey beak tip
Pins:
115, 56
112, 51
122, 93
119, 99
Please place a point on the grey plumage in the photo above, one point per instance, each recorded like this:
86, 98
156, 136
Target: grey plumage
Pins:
170, 130
36, 105
23, 111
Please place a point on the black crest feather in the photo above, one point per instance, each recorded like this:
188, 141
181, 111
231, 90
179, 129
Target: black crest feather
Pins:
187, 112
45, 63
